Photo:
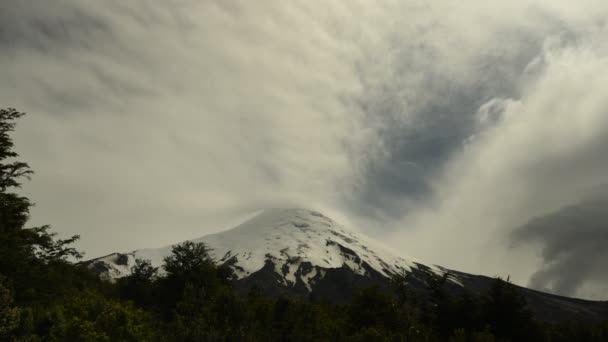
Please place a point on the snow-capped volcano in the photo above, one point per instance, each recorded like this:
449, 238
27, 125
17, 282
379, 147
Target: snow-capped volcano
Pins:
299, 246
302, 252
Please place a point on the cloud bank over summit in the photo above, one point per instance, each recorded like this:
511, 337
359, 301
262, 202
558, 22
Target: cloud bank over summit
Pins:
446, 130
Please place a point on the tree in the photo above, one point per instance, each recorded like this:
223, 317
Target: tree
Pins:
190, 263
139, 286
187, 258
14, 209
9, 314
143, 271
90, 316
506, 313
373, 308
190, 266
25, 251
10, 172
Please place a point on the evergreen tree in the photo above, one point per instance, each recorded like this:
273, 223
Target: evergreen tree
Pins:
26, 252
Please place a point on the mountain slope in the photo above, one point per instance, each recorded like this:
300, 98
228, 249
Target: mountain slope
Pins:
300, 247
301, 252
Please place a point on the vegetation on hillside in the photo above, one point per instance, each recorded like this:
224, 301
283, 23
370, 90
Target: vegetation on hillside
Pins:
46, 297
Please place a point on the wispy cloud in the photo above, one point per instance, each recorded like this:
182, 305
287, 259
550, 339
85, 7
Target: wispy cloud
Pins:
438, 127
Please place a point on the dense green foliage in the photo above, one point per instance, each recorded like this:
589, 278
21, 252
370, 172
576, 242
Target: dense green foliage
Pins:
45, 297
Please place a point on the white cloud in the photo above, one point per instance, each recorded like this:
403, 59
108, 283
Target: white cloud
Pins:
154, 122
155, 118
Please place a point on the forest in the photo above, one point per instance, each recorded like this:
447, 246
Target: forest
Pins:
47, 295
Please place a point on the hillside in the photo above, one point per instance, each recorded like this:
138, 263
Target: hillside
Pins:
301, 252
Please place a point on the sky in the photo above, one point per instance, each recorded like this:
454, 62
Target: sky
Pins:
470, 135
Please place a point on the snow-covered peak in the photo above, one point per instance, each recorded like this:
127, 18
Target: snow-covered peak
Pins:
300, 244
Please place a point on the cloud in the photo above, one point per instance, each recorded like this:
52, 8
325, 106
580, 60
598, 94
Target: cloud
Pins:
574, 241
540, 152
437, 127
147, 119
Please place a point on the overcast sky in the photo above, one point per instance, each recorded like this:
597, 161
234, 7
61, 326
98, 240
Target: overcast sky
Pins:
472, 134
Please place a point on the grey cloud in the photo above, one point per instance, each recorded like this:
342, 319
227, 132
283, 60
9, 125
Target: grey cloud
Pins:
38, 26
424, 124
573, 242
543, 153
